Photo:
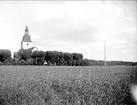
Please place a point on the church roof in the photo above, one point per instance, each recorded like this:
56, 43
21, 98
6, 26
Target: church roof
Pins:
26, 37
32, 48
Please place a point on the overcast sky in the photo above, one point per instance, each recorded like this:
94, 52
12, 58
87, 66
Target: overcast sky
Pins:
72, 26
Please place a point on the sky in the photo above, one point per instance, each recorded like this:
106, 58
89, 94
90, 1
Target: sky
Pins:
72, 26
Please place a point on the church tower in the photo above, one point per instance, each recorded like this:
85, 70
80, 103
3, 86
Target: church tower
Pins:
26, 42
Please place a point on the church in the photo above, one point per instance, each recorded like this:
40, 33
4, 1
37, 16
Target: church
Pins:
26, 42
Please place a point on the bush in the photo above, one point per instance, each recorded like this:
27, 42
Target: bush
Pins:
8, 61
30, 61
22, 62
5, 57
1, 63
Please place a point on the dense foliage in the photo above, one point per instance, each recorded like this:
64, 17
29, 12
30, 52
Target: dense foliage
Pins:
54, 58
26, 57
5, 57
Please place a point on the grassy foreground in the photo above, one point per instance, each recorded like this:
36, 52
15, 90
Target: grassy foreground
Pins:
37, 85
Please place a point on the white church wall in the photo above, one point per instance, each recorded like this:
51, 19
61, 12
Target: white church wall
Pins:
27, 45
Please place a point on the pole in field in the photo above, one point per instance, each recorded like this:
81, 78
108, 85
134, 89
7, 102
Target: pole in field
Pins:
105, 53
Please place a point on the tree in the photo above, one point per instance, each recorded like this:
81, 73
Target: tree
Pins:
77, 56
57, 57
5, 57
68, 57
38, 57
30, 61
74, 62
23, 62
77, 59
35, 54
85, 62
16, 59
42, 54
50, 57
1, 63
24, 54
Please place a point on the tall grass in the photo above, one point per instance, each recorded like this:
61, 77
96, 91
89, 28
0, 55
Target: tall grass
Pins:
81, 89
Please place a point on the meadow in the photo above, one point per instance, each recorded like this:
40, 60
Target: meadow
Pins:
66, 85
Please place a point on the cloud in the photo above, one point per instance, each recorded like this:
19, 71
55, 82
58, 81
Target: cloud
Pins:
34, 36
66, 31
82, 26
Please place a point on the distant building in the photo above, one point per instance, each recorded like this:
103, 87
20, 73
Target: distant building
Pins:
26, 42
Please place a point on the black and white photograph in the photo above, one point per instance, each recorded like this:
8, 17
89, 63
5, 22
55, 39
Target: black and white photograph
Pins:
65, 52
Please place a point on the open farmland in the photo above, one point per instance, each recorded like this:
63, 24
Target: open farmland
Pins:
64, 85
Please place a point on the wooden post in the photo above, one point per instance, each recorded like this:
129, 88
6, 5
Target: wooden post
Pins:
105, 53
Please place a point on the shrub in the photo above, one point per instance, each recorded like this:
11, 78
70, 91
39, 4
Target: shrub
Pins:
1, 63
22, 62
5, 57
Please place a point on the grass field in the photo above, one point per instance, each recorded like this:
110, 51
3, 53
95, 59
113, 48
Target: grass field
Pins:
64, 85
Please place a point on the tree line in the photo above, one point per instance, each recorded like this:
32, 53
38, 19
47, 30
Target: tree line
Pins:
52, 58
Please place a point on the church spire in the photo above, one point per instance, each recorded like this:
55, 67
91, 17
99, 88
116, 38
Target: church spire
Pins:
26, 42
26, 37
26, 30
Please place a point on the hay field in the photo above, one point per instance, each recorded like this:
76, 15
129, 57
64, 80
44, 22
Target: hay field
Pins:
64, 85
